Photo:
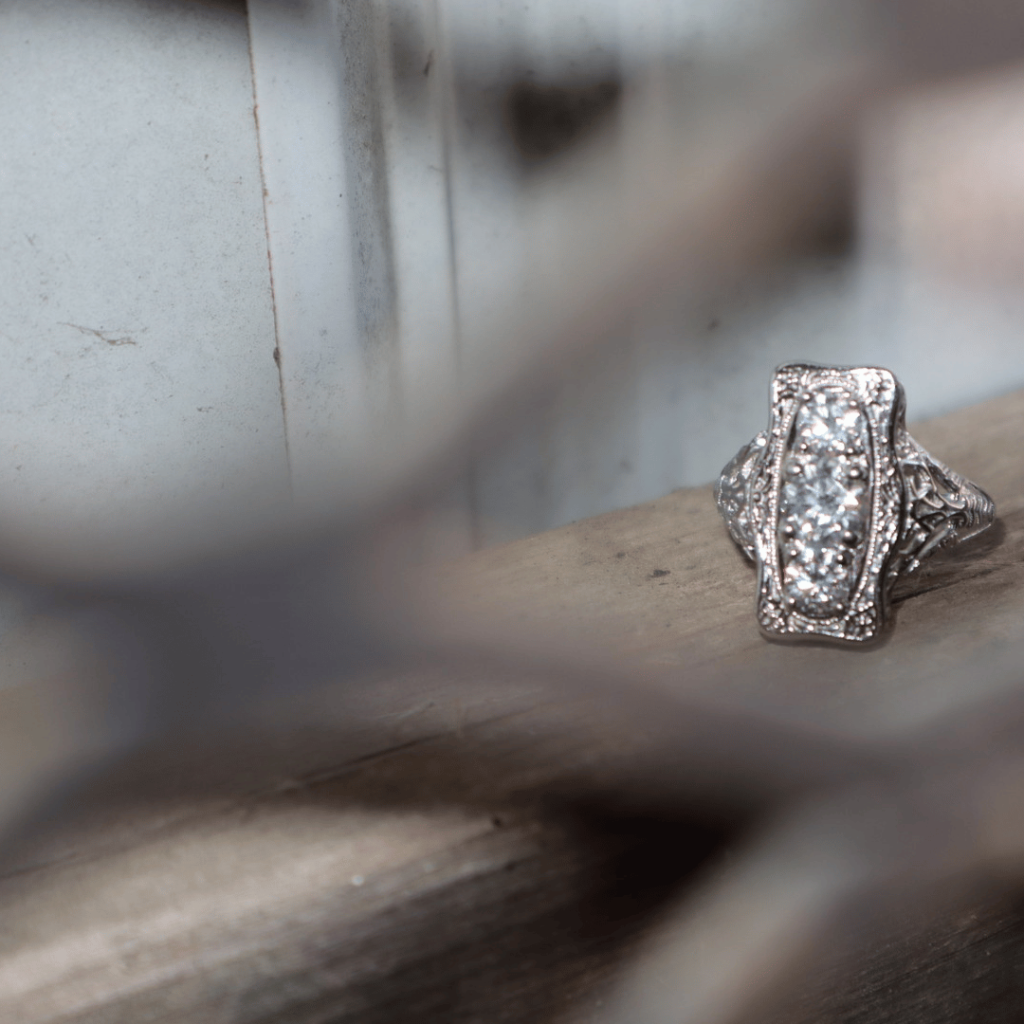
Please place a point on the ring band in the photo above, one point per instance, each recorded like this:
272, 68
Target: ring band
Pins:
836, 500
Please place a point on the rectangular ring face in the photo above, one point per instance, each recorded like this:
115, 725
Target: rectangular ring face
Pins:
825, 509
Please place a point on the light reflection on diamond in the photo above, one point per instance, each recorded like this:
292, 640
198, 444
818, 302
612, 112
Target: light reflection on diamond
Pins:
824, 503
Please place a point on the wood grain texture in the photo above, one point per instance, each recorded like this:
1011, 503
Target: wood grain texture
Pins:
662, 584
440, 847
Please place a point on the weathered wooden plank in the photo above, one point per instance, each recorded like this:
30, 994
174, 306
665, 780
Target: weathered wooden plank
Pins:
449, 854
364, 892
662, 584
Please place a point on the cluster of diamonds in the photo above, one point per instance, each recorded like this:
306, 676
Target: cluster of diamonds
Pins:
836, 500
824, 506
824, 510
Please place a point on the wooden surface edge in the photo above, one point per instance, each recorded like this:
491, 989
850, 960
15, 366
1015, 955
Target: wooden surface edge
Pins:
351, 880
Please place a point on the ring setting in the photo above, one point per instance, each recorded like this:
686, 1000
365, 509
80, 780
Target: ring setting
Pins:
836, 501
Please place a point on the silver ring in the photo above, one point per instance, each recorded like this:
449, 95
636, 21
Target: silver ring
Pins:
835, 501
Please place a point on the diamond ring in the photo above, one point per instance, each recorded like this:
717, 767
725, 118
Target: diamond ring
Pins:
836, 500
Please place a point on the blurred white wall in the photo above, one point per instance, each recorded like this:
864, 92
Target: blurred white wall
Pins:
136, 321
140, 313
447, 226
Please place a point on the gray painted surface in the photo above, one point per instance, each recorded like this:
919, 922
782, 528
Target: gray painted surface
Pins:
684, 388
137, 317
136, 324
